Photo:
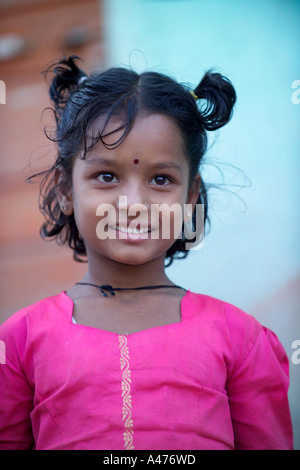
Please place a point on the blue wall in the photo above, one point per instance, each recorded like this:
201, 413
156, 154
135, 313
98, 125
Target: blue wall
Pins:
251, 257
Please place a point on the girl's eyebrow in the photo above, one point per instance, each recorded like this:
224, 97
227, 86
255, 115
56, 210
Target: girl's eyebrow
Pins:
170, 165
99, 160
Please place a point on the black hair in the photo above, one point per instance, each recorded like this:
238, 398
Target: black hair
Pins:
80, 99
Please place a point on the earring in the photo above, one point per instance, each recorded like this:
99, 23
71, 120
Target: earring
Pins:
188, 230
188, 224
188, 215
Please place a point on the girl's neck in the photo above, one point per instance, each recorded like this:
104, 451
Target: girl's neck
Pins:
115, 274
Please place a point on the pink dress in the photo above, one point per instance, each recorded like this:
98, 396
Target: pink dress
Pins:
215, 380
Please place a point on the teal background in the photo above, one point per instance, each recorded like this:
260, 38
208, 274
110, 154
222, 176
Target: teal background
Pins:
251, 256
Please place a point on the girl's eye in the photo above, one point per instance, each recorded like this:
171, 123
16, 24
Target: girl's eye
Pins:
160, 180
107, 178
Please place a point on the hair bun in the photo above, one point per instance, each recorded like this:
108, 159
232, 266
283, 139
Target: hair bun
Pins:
66, 79
218, 96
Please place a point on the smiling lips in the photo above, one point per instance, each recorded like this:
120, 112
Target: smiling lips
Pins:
131, 230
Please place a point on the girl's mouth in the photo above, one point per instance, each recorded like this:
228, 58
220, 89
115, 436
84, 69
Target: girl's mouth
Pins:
131, 230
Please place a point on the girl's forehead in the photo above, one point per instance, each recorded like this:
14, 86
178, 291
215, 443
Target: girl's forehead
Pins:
155, 141
147, 133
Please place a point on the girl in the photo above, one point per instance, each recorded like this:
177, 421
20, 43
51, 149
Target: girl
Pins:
126, 359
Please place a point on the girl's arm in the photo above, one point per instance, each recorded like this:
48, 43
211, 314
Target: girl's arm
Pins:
16, 403
258, 397
16, 394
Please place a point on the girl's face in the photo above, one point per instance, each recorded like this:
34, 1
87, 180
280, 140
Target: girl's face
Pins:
114, 192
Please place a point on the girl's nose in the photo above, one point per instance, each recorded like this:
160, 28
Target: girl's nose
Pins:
133, 196
133, 205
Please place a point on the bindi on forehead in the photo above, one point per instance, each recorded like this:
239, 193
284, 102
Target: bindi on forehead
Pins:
136, 161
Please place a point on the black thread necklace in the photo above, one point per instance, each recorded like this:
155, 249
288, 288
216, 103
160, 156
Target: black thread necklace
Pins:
107, 287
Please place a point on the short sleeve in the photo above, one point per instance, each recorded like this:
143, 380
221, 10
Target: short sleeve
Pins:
258, 397
16, 394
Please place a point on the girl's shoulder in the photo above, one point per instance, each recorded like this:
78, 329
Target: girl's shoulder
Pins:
242, 331
27, 326
39, 312
220, 310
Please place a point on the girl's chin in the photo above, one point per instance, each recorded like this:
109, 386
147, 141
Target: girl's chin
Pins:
131, 253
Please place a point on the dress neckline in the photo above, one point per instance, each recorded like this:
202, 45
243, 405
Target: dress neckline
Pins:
159, 327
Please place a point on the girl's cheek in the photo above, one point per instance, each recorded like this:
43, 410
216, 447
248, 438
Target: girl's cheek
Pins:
170, 222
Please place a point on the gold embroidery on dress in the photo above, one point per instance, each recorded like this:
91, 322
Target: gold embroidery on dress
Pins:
126, 386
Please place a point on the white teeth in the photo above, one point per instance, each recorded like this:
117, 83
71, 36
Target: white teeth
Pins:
132, 230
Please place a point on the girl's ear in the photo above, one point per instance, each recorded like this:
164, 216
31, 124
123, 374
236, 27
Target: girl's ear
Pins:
193, 194
63, 192
194, 189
